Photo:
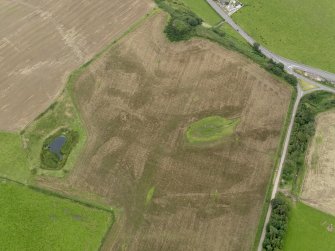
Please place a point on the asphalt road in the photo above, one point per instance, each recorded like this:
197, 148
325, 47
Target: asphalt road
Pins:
289, 64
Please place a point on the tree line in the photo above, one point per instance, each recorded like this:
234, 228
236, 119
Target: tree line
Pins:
277, 226
303, 130
276, 68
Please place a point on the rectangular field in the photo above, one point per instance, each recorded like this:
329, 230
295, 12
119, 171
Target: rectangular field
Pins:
137, 102
295, 29
41, 42
32, 220
309, 230
319, 184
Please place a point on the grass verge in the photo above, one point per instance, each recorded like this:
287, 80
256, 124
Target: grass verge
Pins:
203, 10
233, 35
306, 86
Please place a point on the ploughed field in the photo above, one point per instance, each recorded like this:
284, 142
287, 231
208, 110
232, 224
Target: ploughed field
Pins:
137, 102
41, 42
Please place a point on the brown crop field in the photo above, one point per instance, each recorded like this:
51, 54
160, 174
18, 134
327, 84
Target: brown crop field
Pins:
137, 101
319, 186
41, 42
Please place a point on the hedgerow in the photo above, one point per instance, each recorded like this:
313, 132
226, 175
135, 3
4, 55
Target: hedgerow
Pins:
303, 130
277, 226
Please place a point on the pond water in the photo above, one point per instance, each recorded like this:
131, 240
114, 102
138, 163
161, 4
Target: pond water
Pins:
56, 145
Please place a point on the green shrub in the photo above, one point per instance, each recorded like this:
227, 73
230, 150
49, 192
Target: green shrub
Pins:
257, 49
277, 226
182, 23
177, 30
218, 31
49, 160
291, 79
193, 21
72, 139
303, 130
279, 70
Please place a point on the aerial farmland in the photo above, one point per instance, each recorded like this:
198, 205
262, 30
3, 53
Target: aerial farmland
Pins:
42, 42
176, 193
162, 125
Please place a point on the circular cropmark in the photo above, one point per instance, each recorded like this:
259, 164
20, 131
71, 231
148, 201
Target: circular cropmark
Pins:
210, 129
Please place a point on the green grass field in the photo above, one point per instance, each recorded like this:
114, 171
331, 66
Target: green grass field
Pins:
32, 220
13, 158
210, 129
307, 230
299, 30
204, 11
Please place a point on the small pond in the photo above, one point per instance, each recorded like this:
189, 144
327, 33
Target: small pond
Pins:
56, 146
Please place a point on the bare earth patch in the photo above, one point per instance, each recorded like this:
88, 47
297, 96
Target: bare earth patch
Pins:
41, 42
319, 184
137, 102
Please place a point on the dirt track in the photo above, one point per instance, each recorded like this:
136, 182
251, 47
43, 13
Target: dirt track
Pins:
41, 42
137, 102
319, 185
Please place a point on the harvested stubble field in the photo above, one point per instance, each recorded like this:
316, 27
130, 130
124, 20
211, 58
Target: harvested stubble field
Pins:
318, 188
137, 102
41, 42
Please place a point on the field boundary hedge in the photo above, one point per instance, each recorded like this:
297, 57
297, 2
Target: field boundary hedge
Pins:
278, 223
267, 199
303, 131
